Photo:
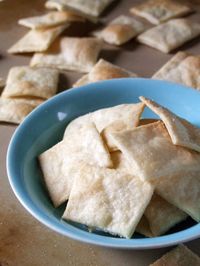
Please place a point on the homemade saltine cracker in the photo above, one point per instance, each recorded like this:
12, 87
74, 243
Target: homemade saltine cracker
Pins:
157, 11
182, 132
60, 163
50, 19
107, 116
15, 110
151, 153
76, 54
108, 120
170, 66
54, 5
170, 35
24, 81
104, 70
107, 199
159, 215
121, 164
162, 216
88, 7
126, 114
179, 256
37, 40
121, 30
183, 191
182, 68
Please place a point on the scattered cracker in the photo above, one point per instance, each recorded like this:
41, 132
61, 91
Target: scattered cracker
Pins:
121, 30
104, 70
170, 35
180, 256
24, 81
15, 110
37, 40
170, 66
50, 19
157, 11
88, 7
182, 68
76, 54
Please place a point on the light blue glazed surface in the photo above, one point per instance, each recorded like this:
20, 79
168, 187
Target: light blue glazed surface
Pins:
45, 126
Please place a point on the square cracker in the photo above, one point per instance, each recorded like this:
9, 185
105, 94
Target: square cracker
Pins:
183, 68
76, 54
170, 35
152, 154
15, 110
104, 70
121, 30
170, 66
183, 191
131, 120
182, 132
60, 163
180, 255
161, 215
50, 19
107, 199
108, 120
121, 165
87, 7
24, 81
157, 11
54, 4
37, 40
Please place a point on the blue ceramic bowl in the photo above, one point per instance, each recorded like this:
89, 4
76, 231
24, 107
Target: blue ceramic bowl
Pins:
45, 126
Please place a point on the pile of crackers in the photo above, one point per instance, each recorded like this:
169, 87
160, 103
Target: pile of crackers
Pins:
121, 176
155, 23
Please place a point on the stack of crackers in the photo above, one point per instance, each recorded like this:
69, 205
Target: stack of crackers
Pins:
156, 23
121, 176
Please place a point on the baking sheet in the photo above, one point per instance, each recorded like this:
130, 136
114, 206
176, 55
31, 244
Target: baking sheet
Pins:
23, 240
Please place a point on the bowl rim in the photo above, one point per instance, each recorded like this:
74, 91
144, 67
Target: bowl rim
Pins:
86, 237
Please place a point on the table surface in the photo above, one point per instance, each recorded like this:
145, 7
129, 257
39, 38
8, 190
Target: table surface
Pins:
23, 240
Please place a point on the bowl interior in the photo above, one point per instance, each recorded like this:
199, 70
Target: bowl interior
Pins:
45, 126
